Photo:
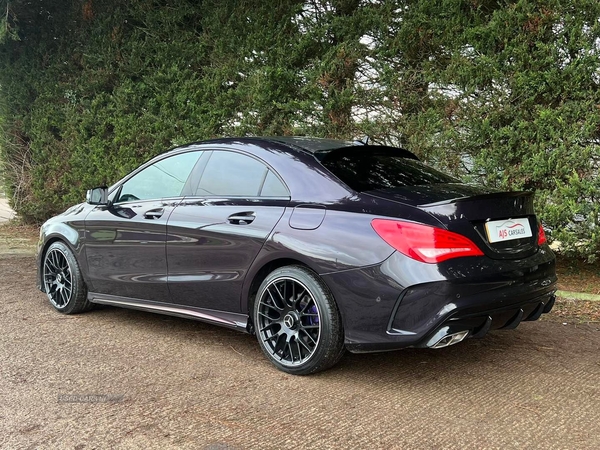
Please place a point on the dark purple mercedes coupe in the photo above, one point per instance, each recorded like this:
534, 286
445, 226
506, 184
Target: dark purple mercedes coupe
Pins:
313, 245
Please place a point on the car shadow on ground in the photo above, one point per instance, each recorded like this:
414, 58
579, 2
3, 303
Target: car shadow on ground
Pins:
510, 350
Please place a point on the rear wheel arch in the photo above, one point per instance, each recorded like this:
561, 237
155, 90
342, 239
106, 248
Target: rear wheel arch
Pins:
260, 275
298, 324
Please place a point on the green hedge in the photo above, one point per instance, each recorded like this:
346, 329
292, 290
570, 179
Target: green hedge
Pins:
503, 93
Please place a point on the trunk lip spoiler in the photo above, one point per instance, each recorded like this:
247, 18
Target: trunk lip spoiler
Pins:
510, 194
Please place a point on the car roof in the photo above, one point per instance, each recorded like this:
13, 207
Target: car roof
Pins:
312, 144
319, 147
304, 143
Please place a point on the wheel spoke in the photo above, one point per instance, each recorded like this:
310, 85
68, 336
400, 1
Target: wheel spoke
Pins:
288, 348
56, 261
280, 345
306, 333
306, 306
50, 260
281, 296
64, 265
269, 338
272, 307
273, 299
304, 345
294, 298
50, 265
266, 327
61, 297
298, 348
291, 298
284, 296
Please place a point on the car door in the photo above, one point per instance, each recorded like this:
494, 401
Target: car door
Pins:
126, 241
215, 234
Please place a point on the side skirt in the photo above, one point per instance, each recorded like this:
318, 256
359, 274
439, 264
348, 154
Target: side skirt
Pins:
235, 321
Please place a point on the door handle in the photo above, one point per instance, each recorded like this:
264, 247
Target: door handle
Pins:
241, 218
154, 213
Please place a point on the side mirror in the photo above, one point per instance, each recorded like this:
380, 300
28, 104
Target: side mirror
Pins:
97, 196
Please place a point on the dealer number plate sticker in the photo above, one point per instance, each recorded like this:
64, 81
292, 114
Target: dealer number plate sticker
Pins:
507, 230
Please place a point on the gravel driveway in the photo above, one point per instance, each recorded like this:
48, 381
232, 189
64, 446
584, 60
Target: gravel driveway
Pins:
114, 378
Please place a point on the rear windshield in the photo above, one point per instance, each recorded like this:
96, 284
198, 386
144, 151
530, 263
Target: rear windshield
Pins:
370, 169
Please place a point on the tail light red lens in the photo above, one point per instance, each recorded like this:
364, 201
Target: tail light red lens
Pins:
424, 243
541, 235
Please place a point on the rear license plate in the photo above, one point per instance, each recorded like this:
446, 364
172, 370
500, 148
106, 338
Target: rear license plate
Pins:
507, 230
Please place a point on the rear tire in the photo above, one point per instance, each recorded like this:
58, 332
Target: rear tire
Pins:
62, 280
297, 321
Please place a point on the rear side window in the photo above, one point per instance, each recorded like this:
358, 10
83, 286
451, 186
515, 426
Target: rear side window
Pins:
369, 170
232, 174
273, 187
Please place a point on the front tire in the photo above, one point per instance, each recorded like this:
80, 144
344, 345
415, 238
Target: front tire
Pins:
63, 282
297, 322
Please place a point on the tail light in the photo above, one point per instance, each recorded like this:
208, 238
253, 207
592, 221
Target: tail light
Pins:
541, 235
423, 242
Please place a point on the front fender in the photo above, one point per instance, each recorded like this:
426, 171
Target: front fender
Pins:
72, 233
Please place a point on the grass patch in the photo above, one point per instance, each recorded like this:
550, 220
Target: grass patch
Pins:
578, 276
574, 311
18, 238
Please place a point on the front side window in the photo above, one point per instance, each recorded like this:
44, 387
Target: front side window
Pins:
163, 179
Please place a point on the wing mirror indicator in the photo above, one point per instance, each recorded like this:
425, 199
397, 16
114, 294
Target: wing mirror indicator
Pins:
97, 196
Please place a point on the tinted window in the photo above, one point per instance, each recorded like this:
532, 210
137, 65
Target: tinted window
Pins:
273, 187
369, 170
164, 178
232, 174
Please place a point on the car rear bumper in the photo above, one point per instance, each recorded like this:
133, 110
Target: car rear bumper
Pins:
476, 319
477, 324
468, 296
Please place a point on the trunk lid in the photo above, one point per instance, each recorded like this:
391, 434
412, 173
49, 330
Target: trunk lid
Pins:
465, 209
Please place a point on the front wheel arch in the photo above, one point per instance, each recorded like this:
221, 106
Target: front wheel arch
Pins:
66, 275
42, 254
42, 257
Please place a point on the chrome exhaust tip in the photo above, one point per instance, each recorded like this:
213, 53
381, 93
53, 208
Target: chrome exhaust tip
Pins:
450, 339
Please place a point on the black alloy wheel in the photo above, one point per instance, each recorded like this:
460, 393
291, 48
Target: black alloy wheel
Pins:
297, 321
63, 282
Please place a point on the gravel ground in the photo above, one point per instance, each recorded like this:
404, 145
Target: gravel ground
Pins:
115, 378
